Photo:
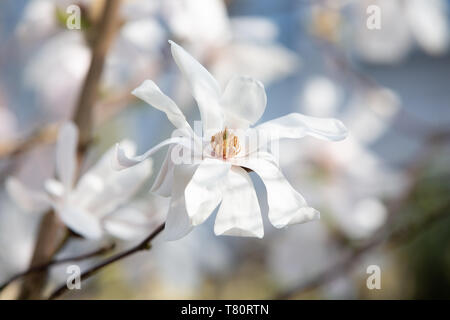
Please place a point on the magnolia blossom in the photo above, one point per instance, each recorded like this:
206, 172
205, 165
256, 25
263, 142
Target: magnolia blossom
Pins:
96, 205
221, 158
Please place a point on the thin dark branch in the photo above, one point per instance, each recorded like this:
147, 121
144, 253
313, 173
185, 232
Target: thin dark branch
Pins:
44, 266
143, 245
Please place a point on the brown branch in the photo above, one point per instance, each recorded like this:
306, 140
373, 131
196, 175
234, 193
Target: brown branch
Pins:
104, 34
144, 245
51, 263
44, 135
51, 234
47, 240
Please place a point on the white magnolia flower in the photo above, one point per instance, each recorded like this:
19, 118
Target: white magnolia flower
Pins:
95, 206
218, 172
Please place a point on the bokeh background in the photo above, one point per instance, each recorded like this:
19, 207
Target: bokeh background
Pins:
383, 193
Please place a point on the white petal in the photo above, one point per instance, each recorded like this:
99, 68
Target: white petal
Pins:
150, 93
28, 200
296, 125
138, 218
239, 213
178, 222
92, 183
81, 221
428, 22
244, 98
286, 206
204, 88
163, 182
54, 188
103, 189
66, 154
203, 193
122, 160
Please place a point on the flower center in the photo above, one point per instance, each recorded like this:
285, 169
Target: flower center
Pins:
225, 144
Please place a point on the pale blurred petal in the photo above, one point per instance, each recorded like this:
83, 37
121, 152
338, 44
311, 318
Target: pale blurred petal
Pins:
243, 98
203, 193
66, 154
286, 205
81, 221
239, 213
428, 23
107, 192
247, 58
387, 45
199, 21
138, 218
54, 188
27, 199
92, 183
204, 87
254, 28
321, 97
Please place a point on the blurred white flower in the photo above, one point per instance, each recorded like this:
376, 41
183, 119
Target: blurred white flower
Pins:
97, 205
38, 21
321, 96
140, 41
350, 176
403, 24
371, 113
217, 172
64, 59
200, 20
229, 45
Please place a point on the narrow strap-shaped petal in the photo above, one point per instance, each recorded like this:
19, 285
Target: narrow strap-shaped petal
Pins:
66, 160
122, 161
296, 125
243, 102
203, 193
150, 93
239, 214
25, 198
204, 87
286, 206
178, 222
